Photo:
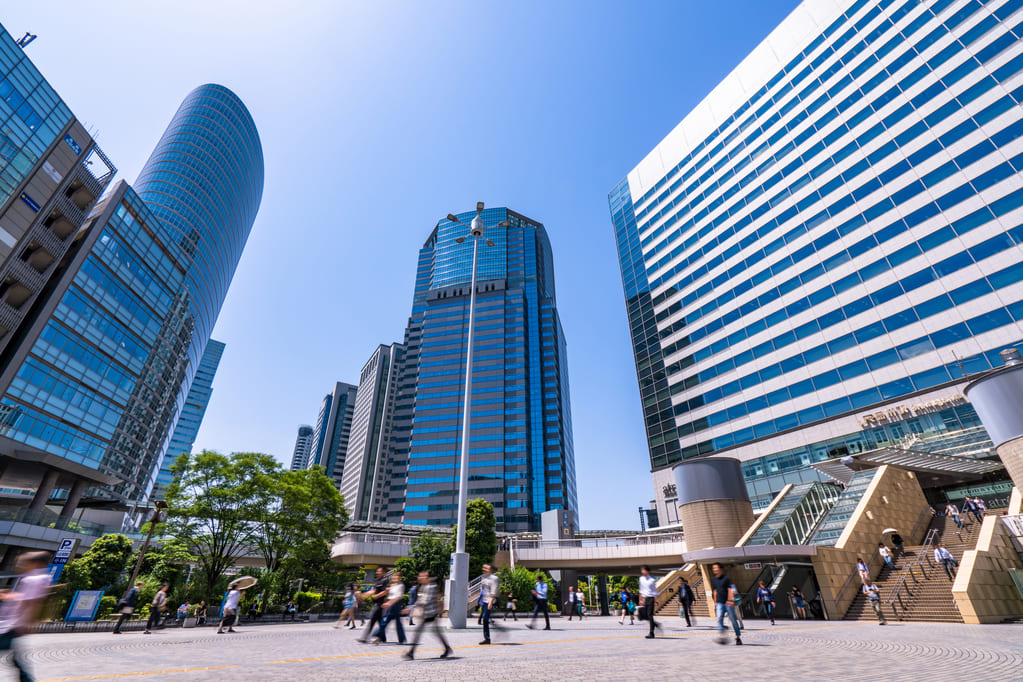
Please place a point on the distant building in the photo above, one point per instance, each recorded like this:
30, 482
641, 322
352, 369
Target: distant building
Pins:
373, 484
303, 447
183, 439
333, 427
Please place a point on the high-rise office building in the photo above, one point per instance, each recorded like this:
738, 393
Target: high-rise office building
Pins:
303, 448
373, 483
333, 429
187, 428
520, 453
97, 374
816, 256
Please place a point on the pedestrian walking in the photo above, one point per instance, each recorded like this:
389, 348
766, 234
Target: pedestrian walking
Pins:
231, 605
798, 603
945, 558
488, 595
126, 605
981, 506
426, 611
863, 570
953, 511
156, 609
21, 607
874, 597
510, 606
972, 507
648, 595
573, 603
628, 602
392, 610
766, 599
540, 602
347, 616
686, 597
724, 602
886, 554
378, 593
413, 595
898, 543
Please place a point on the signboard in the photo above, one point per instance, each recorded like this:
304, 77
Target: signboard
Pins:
903, 412
753, 566
52, 172
30, 202
71, 143
65, 552
83, 606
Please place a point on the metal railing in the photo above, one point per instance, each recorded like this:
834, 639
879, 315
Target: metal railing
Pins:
875, 557
47, 519
378, 538
624, 541
908, 572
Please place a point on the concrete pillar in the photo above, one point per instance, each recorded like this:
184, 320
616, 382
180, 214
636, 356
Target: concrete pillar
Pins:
714, 507
74, 496
605, 609
998, 398
44, 490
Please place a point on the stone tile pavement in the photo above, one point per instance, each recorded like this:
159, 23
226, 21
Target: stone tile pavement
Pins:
596, 649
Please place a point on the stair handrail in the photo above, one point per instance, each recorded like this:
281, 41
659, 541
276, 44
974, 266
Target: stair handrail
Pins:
907, 572
927, 514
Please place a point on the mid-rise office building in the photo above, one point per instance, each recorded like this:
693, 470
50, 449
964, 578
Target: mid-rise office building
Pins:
189, 422
333, 429
821, 251
520, 455
303, 448
373, 483
97, 372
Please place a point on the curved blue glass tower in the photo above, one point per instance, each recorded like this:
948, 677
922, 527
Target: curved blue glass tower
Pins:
204, 181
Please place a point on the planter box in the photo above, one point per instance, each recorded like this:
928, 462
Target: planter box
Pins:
312, 617
191, 622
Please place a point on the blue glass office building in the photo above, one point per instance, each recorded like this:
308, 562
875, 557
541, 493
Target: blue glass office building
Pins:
521, 456
183, 437
834, 232
100, 379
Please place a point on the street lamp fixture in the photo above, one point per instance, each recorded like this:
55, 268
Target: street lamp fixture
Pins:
458, 580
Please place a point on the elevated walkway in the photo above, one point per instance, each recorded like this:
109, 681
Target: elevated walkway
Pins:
617, 555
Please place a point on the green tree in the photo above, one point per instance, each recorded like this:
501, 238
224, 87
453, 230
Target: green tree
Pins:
429, 552
101, 566
213, 501
299, 514
520, 582
480, 535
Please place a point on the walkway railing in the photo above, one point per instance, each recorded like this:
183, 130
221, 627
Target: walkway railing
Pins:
623, 541
381, 538
908, 571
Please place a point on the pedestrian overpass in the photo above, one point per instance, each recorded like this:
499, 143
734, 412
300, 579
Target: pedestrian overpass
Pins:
617, 554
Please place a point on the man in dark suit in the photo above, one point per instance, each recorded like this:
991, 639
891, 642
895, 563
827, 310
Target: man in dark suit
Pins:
685, 600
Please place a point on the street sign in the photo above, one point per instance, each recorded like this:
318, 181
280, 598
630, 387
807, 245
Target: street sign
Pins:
753, 566
65, 550
83, 606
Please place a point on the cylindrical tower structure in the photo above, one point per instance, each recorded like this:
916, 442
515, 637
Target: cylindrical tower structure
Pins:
714, 507
204, 181
998, 398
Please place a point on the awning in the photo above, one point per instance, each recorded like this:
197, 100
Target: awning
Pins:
932, 470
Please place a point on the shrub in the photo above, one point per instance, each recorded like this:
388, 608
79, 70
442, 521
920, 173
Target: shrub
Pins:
304, 600
106, 607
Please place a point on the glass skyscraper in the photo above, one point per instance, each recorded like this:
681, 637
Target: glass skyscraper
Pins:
834, 232
100, 373
333, 429
303, 447
183, 437
521, 456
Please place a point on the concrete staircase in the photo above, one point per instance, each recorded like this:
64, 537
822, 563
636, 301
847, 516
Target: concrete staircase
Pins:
928, 598
671, 607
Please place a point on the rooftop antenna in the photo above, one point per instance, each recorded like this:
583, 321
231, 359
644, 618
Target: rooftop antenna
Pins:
959, 361
26, 39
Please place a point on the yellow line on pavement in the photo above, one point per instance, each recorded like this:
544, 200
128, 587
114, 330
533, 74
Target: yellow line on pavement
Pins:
137, 674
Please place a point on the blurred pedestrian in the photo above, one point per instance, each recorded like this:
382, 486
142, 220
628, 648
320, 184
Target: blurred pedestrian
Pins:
945, 558
21, 607
182, 614
378, 593
290, 610
628, 602
488, 595
392, 608
200, 613
540, 602
898, 543
231, 606
686, 597
426, 611
156, 609
724, 602
648, 594
413, 595
574, 603
863, 570
798, 603
510, 606
953, 511
126, 606
766, 598
351, 601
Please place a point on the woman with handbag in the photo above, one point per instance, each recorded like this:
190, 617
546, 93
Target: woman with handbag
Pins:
126, 605
157, 608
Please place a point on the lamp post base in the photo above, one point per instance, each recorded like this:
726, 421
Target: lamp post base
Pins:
456, 592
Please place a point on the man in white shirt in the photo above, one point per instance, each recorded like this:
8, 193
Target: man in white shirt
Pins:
21, 607
648, 595
540, 602
488, 599
945, 558
886, 554
874, 597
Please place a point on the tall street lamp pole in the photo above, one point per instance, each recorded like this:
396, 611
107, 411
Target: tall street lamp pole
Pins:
458, 581
159, 506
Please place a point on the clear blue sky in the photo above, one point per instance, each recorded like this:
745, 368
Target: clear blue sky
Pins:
377, 119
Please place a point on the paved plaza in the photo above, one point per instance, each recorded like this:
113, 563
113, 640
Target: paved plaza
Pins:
596, 649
